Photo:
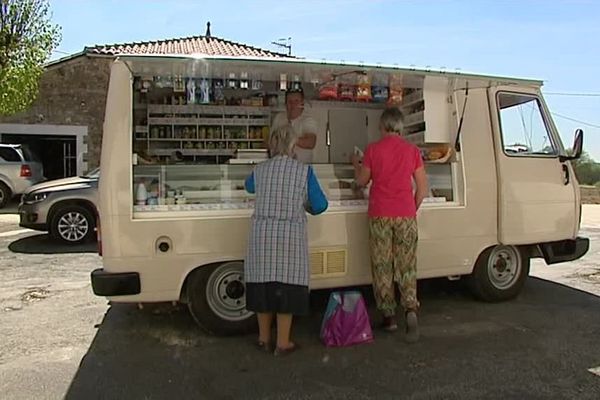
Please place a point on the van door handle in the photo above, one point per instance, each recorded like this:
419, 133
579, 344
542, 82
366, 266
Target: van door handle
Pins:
567, 177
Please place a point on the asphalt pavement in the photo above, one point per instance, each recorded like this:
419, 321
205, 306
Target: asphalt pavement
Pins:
60, 341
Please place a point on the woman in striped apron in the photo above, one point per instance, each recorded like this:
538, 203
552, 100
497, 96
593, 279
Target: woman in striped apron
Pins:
277, 266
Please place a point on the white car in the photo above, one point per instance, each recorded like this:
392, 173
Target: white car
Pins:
19, 169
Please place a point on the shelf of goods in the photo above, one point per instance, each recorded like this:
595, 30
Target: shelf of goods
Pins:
203, 130
426, 116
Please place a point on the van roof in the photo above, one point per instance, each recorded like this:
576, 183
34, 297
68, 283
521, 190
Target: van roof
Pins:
132, 59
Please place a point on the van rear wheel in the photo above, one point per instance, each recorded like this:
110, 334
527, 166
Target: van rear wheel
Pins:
499, 274
217, 299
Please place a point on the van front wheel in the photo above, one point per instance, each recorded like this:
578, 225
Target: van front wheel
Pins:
217, 299
499, 273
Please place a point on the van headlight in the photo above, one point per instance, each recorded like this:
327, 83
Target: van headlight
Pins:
35, 197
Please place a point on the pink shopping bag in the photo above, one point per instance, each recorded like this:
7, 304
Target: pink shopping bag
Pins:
346, 321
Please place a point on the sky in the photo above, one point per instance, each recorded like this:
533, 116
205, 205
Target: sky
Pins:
555, 41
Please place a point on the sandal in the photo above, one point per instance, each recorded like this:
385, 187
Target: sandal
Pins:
264, 346
284, 352
412, 327
389, 324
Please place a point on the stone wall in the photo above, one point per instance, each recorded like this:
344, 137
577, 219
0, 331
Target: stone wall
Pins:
72, 93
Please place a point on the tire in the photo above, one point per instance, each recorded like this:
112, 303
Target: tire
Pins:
72, 224
216, 299
499, 274
5, 194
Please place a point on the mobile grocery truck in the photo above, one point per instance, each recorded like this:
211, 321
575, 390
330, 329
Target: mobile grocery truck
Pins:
182, 133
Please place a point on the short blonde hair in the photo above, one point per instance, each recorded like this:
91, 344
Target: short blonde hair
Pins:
392, 120
282, 141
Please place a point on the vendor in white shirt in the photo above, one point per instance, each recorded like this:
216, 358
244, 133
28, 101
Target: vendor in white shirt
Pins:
304, 125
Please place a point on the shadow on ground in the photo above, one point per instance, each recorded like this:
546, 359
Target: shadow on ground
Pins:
12, 207
538, 346
45, 244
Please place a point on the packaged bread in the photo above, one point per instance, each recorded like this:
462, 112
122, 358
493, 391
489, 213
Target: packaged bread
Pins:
395, 90
363, 88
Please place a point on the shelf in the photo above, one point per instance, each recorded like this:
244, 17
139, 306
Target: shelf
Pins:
198, 140
185, 121
209, 121
193, 152
414, 119
207, 109
161, 139
415, 138
412, 99
343, 104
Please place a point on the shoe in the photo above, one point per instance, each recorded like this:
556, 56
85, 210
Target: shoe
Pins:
412, 327
389, 324
264, 346
279, 352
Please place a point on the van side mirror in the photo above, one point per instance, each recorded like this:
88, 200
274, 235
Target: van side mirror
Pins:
577, 147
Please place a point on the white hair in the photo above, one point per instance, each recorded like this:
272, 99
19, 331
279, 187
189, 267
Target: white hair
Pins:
392, 120
282, 141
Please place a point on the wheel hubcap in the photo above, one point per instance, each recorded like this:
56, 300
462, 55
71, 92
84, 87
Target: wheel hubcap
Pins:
73, 226
504, 267
225, 292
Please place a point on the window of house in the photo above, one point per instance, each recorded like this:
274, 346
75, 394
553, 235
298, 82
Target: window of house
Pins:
523, 127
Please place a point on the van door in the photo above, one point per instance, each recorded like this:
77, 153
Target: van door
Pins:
538, 195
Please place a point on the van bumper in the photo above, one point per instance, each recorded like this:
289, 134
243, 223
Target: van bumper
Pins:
115, 284
564, 250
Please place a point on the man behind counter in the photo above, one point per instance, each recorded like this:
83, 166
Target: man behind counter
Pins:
304, 125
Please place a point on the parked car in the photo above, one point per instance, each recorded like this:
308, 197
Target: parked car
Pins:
66, 208
19, 169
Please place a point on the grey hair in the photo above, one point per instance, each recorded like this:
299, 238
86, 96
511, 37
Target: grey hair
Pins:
392, 120
282, 141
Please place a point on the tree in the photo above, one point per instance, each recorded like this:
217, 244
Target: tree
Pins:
586, 169
27, 38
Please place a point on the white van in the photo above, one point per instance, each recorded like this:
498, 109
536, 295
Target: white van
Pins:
502, 189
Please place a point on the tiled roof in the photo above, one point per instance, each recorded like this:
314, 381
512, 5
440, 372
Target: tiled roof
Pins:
208, 45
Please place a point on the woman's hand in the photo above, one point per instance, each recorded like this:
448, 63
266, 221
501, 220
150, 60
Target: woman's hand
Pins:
356, 160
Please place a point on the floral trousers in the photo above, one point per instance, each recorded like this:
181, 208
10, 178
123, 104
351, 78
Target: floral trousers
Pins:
393, 243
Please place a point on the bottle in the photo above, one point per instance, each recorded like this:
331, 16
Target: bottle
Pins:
283, 82
191, 91
141, 194
244, 80
232, 82
204, 91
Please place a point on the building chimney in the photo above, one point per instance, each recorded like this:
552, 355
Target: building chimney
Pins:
207, 29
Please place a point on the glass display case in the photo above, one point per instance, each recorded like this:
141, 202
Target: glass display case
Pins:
193, 187
219, 189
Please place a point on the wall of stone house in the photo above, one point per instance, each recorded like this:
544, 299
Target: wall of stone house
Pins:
72, 93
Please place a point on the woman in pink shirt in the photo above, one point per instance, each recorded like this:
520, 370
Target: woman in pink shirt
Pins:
392, 164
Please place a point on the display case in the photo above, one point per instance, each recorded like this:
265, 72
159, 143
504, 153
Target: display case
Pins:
219, 189
186, 190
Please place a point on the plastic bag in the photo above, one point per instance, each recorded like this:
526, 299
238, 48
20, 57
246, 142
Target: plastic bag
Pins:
363, 88
395, 95
346, 321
